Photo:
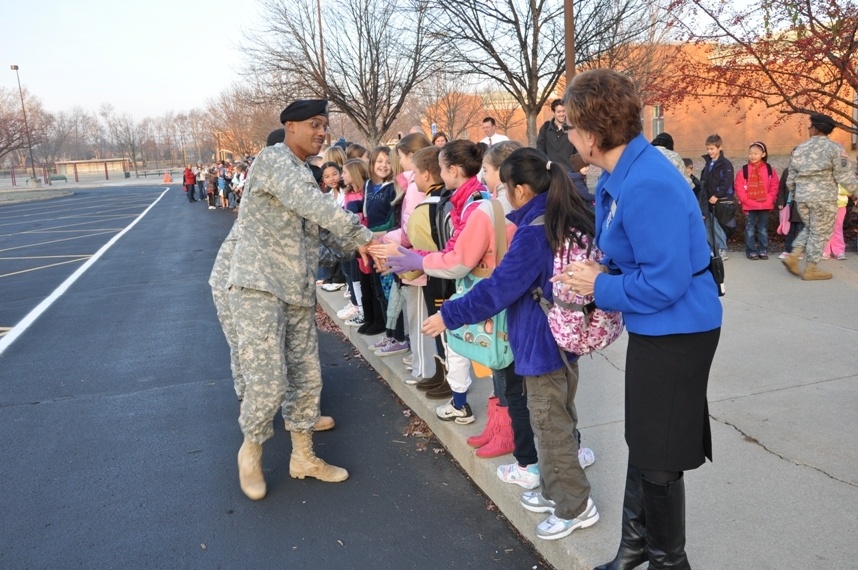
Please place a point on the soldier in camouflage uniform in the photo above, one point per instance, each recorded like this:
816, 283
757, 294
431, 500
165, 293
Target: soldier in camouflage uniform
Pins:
815, 168
273, 294
218, 280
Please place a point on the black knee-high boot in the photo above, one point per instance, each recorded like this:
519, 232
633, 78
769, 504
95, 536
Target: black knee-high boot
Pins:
632, 551
665, 524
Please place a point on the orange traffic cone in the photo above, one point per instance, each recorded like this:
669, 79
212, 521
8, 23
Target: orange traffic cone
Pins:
167, 178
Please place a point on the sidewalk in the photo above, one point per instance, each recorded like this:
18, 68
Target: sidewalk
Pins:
22, 193
783, 490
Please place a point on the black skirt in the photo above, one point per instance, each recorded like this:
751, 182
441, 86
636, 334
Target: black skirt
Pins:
667, 414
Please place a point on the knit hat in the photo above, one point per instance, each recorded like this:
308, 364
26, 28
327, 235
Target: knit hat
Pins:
664, 140
304, 109
762, 146
822, 123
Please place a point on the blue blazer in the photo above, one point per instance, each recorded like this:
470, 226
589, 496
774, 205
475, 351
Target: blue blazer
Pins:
654, 242
528, 263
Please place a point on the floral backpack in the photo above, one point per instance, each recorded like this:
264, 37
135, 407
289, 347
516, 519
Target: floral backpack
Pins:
576, 323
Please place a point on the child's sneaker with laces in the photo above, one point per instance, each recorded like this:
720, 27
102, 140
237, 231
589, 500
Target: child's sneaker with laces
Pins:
534, 502
393, 347
381, 343
355, 321
347, 312
554, 527
527, 477
448, 412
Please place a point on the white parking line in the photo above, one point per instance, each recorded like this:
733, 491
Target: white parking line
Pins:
31, 317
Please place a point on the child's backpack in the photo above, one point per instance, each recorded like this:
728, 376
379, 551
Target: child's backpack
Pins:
443, 215
576, 323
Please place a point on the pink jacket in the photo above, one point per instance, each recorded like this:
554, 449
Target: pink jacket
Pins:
758, 175
474, 250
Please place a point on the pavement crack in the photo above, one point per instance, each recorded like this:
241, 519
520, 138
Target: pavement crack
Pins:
751, 439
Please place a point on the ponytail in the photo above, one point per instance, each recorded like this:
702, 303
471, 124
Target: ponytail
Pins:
566, 214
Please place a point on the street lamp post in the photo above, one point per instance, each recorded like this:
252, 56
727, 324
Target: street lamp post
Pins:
26, 126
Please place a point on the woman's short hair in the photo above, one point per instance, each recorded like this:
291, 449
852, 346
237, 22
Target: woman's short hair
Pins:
605, 104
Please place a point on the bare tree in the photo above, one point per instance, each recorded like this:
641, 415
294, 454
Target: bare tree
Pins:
241, 126
125, 133
55, 134
451, 102
13, 134
376, 52
520, 45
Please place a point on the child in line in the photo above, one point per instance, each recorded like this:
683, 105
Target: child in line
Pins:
537, 189
757, 190
333, 187
377, 207
471, 246
717, 180
406, 293
354, 178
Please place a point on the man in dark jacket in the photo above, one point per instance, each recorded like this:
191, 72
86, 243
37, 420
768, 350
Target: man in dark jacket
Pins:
552, 138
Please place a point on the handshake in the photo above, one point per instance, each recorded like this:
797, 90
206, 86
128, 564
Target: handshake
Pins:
390, 257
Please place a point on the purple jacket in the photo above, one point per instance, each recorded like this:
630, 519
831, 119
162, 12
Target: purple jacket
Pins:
528, 263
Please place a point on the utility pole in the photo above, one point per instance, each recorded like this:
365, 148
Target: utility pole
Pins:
569, 23
26, 126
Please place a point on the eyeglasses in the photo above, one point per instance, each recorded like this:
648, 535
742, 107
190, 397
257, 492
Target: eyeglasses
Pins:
316, 124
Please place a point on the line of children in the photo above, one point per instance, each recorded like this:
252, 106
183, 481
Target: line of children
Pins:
354, 177
537, 188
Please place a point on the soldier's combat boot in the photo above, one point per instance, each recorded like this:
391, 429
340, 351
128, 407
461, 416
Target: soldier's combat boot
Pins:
791, 262
304, 462
813, 273
250, 470
324, 423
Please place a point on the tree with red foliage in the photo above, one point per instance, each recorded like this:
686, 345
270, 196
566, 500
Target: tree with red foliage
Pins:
791, 55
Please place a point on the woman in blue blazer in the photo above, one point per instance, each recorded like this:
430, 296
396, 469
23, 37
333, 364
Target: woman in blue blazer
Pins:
655, 271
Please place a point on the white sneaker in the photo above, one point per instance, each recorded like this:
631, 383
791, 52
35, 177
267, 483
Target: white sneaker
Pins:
841, 256
527, 477
554, 527
534, 502
332, 287
448, 411
347, 312
586, 457
783, 255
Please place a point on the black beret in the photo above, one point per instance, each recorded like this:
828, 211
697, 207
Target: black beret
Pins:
664, 140
276, 136
304, 109
822, 123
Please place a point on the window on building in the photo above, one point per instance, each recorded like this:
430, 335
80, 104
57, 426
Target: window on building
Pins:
657, 120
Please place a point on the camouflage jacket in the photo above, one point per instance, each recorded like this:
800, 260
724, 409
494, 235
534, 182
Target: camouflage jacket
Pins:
816, 167
279, 222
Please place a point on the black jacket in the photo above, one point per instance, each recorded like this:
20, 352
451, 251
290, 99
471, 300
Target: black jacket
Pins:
555, 144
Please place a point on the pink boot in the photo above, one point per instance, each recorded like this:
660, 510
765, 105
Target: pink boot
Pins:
489, 430
502, 442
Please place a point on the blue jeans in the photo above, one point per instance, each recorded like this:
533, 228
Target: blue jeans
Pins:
756, 221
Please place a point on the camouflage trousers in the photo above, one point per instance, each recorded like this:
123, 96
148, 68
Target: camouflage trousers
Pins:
220, 293
818, 218
275, 338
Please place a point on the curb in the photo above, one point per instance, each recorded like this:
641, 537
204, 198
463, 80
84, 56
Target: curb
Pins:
558, 553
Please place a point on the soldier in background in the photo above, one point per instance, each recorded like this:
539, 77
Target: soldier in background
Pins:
815, 168
273, 294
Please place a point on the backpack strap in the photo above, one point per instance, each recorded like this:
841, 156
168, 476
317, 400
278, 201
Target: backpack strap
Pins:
501, 247
536, 293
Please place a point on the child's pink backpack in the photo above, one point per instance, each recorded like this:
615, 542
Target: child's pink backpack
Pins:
576, 323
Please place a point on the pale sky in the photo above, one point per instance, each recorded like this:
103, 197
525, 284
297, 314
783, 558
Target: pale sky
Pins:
144, 58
